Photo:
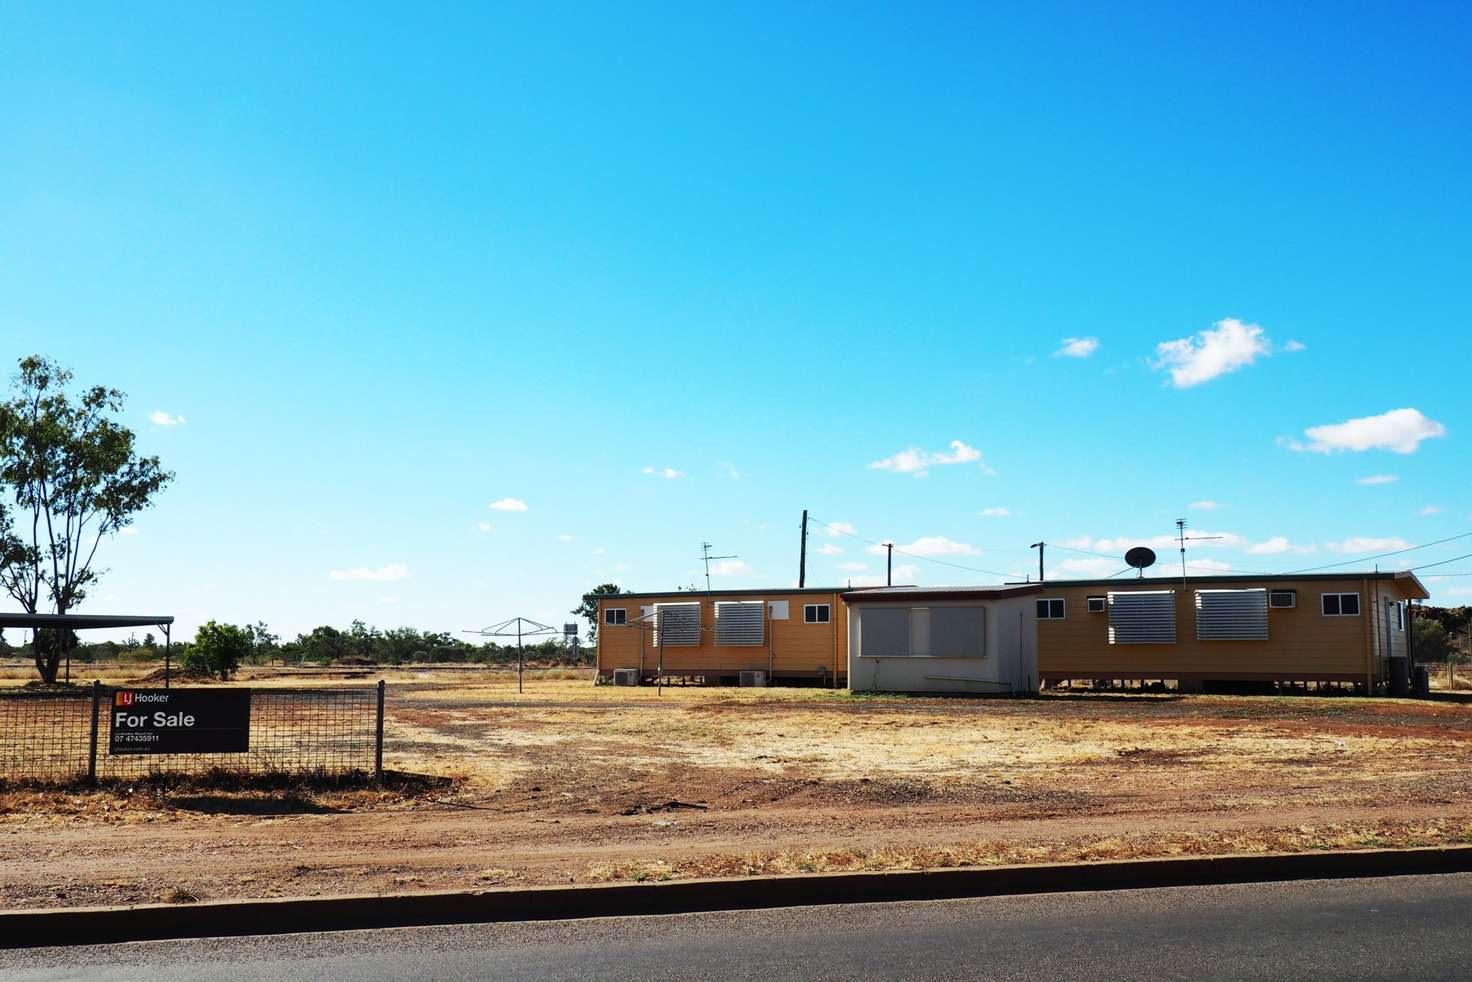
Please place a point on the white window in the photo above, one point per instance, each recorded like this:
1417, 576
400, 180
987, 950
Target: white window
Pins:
1051, 609
815, 614
676, 624
1232, 615
1341, 604
778, 609
615, 615
740, 622
1142, 617
1283, 598
1097, 605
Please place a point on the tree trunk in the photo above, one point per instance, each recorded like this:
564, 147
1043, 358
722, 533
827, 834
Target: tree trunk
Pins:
47, 646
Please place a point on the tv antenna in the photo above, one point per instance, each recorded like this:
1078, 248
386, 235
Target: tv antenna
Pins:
1183, 538
706, 557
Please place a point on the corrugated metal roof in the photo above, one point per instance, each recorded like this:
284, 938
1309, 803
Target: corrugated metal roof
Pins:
894, 593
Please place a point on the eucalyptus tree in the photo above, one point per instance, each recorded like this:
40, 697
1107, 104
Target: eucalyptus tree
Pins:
70, 476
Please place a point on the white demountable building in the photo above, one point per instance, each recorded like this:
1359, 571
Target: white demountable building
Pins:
980, 639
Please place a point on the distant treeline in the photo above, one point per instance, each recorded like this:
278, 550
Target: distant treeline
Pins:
325, 645
1442, 634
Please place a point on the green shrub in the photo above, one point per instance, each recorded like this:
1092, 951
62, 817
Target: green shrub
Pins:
218, 649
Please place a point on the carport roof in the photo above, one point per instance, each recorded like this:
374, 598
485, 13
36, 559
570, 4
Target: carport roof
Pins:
82, 622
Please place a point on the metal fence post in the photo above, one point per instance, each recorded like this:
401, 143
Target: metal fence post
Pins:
92, 742
378, 738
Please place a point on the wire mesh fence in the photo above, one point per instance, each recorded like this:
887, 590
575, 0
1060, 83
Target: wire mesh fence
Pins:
63, 736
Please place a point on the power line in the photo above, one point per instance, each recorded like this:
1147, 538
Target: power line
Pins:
1382, 555
928, 559
1443, 563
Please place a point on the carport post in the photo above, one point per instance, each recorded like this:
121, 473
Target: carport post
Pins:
92, 742
167, 665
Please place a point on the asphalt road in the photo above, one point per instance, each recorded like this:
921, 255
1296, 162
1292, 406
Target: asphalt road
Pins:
1395, 928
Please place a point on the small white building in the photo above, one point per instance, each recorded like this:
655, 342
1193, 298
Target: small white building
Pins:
980, 639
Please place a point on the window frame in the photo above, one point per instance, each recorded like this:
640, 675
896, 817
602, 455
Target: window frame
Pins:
809, 612
1049, 601
1102, 600
1400, 615
1291, 594
622, 620
1339, 602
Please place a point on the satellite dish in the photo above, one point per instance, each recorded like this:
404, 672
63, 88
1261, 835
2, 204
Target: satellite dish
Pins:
1140, 556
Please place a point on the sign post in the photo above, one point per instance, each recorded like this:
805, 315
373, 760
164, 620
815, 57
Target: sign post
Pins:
179, 721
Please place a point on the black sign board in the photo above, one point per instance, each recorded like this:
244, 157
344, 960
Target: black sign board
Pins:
180, 721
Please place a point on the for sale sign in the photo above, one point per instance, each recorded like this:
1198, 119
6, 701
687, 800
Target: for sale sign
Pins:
180, 721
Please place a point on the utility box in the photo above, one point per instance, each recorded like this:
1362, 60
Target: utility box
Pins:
756, 679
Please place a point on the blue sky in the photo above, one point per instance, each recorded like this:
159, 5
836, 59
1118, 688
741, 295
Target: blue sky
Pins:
382, 267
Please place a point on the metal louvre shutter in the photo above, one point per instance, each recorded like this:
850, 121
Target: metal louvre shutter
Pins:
884, 631
740, 622
1232, 615
958, 632
676, 624
1142, 617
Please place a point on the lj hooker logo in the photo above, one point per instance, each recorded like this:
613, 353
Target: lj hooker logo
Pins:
124, 699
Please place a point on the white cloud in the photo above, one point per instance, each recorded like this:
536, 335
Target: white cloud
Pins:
1428, 511
127, 530
1228, 346
829, 549
1123, 543
1276, 546
600, 551
1204, 506
835, 529
483, 526
730, 567
917, 462
1378, 479
382, 574
852, 567
905, 575
507, 504
732, 472
1362, 543
995, 513
1295, 346
388, 601
564, 537
1091, 568
1399, 431
160, 418
1077, 348
1210, 565
668, 473
930, 545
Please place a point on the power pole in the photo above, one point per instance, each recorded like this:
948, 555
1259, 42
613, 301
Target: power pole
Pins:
889, 564
1041, 547
1181, 535
802, 553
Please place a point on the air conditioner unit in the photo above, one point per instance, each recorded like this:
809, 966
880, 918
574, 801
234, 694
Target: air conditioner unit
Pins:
625, 676
757, 679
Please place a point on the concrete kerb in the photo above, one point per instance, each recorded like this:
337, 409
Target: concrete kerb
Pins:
231, 918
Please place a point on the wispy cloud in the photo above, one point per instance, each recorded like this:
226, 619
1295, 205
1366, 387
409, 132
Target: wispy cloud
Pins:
160, 418
1204, 505
1121, 544
1378, 479
917, 462
836, 529
483, 526
1429, 510
382, 574
507, 504
730, 567
1086, 568
1399, 431
853, 567
930, 545
829, 549
1218, 350
1077, 348
995, 513
1364, 543
564, 537
904, 575
668, 473
1295, 346
1276, 546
